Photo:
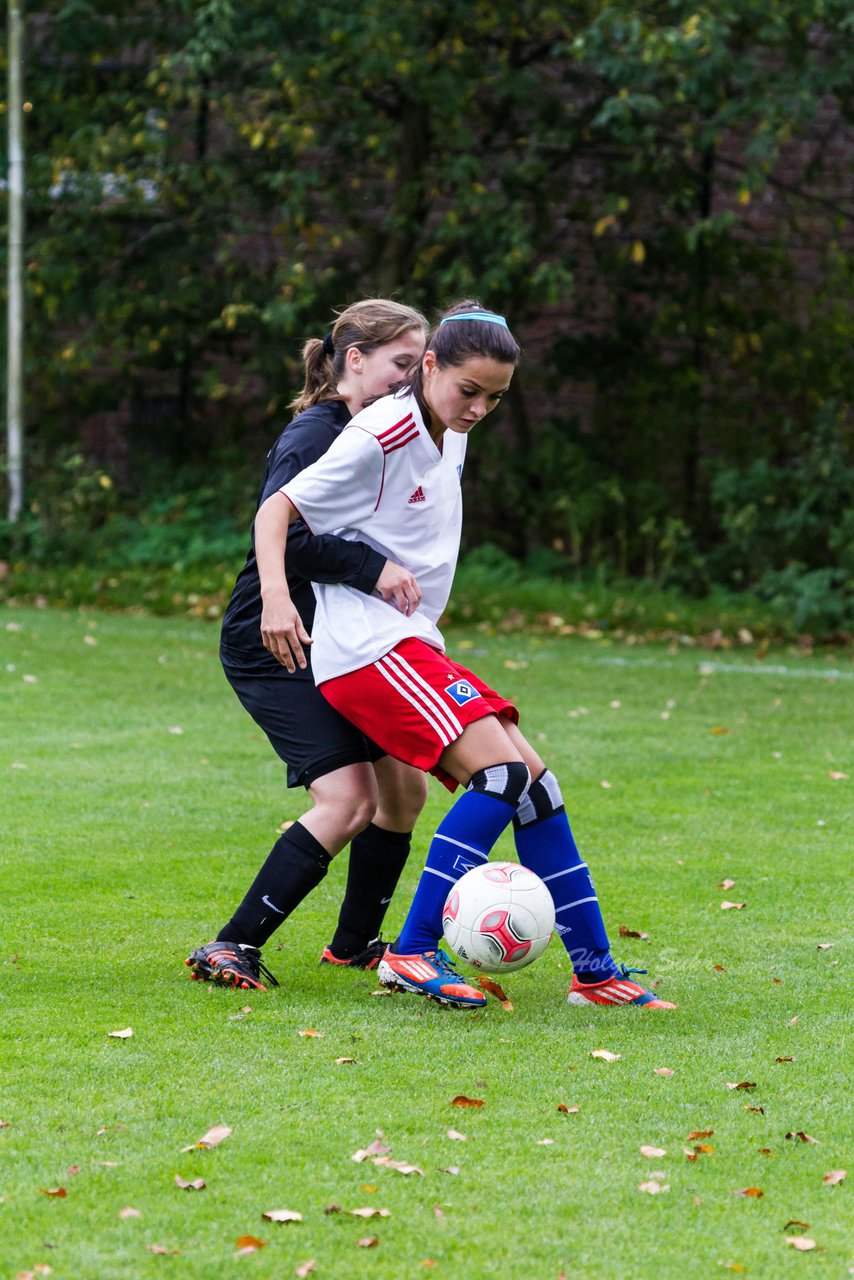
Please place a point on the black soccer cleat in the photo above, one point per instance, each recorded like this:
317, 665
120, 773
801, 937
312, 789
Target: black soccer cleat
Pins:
230, 964
367, 959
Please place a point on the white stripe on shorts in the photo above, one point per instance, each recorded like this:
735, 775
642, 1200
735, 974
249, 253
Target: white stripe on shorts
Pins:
419, 686
438, 728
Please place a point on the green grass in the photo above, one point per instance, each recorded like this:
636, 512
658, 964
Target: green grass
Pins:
125, 844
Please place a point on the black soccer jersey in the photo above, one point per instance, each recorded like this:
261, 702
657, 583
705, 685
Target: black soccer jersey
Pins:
308, 559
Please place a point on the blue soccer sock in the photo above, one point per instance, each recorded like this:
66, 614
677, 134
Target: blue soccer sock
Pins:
463, 840
545, 845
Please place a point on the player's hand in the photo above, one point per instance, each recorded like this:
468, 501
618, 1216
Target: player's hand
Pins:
397, 586
283, 633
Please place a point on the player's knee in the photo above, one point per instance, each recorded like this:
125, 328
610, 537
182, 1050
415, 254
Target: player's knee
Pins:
542, 800
507, 782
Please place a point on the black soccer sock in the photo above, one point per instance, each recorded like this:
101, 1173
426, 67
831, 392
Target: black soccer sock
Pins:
377, 858
296, 863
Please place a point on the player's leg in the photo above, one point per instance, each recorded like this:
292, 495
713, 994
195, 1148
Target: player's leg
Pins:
378, 855
545, 844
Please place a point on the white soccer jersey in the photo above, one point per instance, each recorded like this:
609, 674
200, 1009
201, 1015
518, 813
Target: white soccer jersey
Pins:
384, 482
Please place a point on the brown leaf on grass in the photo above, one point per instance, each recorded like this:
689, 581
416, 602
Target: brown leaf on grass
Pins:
282, 1215
370, 1212
311, 1034
652, 1153
121, 1035
732, 906
726, 884
784, 1059
367, 1242
804, 1137
731, 1266
427, 1262
653, 1188
663, 1071
456, 1136
760, 1111
305, 1269
718, 968
462, 1101
700, 1133
802, 1243
834, 1178
631, 933
375, 1148
128, 1212
332, 1208
73, 1169
400, 1165
568, 1111
743, 1084
58, 1193
604, 1055
793, 1222
249, 1244
755, 1193
778, 982
5, 1124
703, 1149
824, 946
765, 1151
495, 989
160, 1248
212, 1138
717, 730
198, 1184
345, 1062
794, 1021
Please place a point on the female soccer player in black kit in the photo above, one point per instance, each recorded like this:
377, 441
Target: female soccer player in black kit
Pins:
359, 794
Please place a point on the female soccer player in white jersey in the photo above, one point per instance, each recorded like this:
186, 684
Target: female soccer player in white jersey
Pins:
358, 794
392, 479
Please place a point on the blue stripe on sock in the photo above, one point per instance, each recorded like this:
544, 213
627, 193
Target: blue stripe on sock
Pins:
463, 840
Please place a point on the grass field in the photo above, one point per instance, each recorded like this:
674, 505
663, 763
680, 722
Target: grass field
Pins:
137, 802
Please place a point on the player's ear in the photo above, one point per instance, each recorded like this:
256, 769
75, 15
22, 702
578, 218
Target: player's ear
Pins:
428, 361
353, 360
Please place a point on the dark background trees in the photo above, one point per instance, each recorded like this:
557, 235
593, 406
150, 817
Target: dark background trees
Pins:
658, 195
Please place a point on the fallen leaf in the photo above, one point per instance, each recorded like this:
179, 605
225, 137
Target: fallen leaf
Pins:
653, 1188
462, 1101
249, 1244
663, 1071
760, 1111
732, 906
212, 1138
756, 1193
631, 933
73, 1169
824, 946
793, 1222
777, 981
652, 1153
765, 1151
367, 1242
456, 1136
332, 1208
198, 1184
438, 1212
175, 728
837, 776
569, 1111
802, 1243
690, 1154
159, 1248
400, 1165
128, 1212
344, 1062
784, 1059
703, 1149
58, 1193
375, 1148
370, 1212
545, 1142
5, 1124
794, 1021
731, 1266
452, 1169
700, 1133
718, 729
311, 1034
804, 1137
605, 1056
282, 1215
496, 990
744, 1084
305, 1269
726, 884
121, 1035
834, 1178
427, 1262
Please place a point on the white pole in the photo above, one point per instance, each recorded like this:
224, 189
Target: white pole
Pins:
15, 327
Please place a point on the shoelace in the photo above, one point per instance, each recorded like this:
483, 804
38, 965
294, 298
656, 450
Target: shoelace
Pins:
625, 972
445, 968
252, 958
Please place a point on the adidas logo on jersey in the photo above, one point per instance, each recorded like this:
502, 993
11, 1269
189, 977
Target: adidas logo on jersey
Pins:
418, 496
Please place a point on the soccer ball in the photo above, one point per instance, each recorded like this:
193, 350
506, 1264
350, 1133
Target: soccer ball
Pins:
498, 917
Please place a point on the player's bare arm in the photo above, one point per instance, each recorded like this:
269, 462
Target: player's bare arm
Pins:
398, 587
282, 630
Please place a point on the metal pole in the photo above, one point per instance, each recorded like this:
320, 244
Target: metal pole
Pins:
15, 326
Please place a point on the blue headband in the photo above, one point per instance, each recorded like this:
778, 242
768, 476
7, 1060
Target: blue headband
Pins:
489, 316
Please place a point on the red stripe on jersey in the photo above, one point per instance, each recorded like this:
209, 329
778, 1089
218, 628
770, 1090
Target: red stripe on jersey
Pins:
406, 440
390, 431
397, 436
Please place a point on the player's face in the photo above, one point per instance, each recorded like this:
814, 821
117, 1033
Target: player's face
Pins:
386, 366
458, 396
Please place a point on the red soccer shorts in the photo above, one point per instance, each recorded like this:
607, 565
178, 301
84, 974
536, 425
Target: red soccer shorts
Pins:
414, 702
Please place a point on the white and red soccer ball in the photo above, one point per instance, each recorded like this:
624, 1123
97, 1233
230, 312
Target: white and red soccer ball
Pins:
498, 917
